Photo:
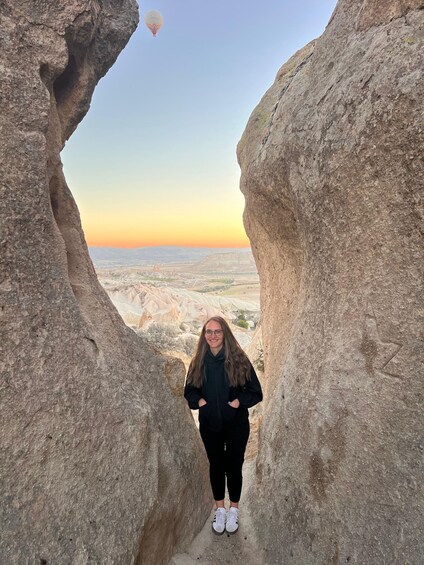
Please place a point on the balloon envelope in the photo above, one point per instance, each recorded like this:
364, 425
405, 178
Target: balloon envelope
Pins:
153, 20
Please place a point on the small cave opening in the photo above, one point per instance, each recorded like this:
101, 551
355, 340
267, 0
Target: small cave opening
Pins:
64, 84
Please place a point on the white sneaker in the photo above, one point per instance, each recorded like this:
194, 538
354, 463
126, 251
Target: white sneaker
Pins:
218, 524
232, 520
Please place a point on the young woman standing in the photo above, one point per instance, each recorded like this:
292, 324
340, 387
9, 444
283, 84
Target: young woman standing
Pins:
222, 384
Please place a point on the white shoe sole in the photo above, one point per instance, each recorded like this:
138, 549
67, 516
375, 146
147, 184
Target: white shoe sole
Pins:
218, 533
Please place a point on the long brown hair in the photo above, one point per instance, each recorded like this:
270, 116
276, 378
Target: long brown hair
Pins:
237, 364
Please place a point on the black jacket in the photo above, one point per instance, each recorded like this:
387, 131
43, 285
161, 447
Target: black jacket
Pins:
217, 414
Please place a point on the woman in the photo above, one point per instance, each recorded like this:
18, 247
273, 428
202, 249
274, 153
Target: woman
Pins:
222, 384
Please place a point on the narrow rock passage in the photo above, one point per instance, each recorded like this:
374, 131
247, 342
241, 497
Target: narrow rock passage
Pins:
239, 549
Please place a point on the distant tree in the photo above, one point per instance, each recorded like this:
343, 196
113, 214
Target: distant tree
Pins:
241, 321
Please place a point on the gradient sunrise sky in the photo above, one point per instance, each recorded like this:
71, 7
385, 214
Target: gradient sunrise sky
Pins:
154, 161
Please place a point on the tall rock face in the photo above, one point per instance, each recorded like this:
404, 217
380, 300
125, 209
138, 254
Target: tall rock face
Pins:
100, 462
333, 176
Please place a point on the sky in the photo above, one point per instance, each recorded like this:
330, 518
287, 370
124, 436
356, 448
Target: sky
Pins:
154, 160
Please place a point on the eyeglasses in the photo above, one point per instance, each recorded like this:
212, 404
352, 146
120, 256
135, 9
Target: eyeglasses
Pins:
213, 332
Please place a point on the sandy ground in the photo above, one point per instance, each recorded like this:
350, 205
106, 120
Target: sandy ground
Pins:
240, 548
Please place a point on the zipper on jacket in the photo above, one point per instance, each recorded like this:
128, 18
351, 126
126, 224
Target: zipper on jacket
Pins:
217, 403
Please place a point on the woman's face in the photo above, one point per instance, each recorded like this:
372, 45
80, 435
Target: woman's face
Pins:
214, 335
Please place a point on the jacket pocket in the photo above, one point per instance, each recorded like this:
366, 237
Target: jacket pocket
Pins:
210, 416
203, 411
229, 413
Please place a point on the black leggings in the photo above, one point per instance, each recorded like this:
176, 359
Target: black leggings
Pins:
225, 451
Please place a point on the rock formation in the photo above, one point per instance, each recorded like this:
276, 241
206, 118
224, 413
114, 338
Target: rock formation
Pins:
332, 172
100, 462
143, 304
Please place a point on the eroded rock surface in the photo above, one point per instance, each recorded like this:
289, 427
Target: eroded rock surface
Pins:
100, 462
332, 171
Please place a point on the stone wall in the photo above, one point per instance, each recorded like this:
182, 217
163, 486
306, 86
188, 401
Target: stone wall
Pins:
332, 172
100, 462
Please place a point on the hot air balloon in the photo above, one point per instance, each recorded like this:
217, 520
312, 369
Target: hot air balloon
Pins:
154, 21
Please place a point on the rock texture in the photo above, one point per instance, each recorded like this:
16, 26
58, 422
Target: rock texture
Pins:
100, 462
332, 172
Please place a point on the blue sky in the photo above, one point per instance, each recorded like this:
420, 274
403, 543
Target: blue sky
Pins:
154, 161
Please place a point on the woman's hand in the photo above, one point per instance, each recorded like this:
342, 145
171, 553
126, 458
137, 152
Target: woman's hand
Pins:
202, 402
235, 403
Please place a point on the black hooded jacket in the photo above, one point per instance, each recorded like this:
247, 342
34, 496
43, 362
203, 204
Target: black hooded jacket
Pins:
217, 414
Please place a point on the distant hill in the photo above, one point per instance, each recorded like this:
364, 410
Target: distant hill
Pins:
107, 257
229, 262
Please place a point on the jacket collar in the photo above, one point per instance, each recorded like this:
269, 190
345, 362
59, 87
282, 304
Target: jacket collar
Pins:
211, 358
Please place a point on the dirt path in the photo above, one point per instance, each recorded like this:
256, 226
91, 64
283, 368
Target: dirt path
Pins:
239, 549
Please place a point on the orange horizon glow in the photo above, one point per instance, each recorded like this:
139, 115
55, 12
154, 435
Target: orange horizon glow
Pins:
241, 244
179, 228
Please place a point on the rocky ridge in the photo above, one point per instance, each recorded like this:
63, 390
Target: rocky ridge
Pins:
97, 453
332, 172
